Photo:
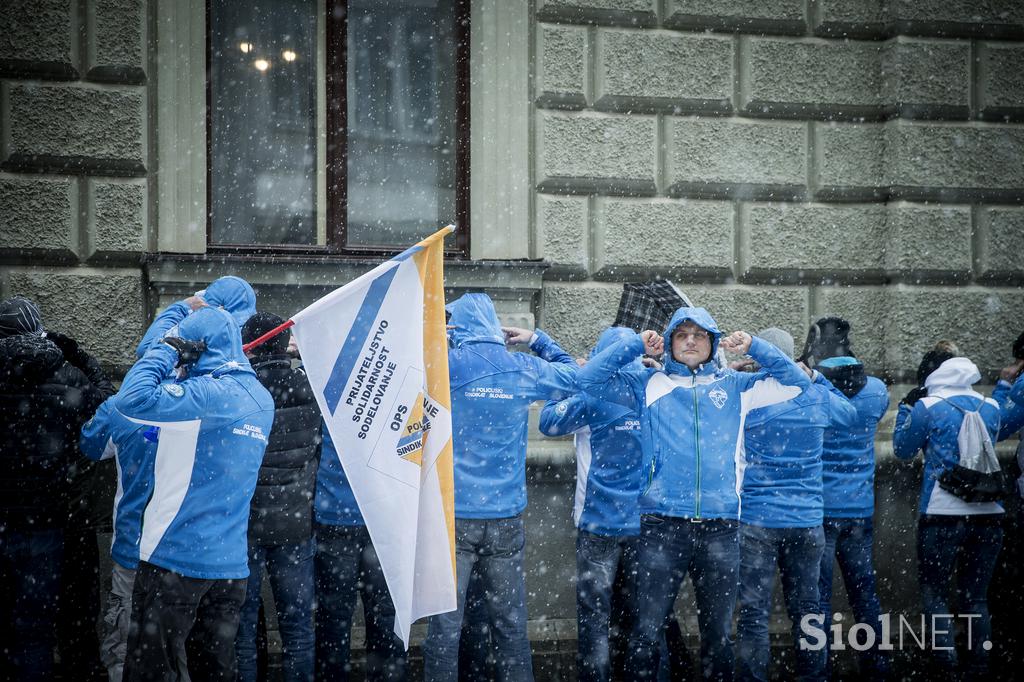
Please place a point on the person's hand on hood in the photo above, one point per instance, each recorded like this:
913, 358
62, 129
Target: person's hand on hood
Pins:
737, 342
188, 351
654, 345
1010, 373
514, 335
195, 302
913, 395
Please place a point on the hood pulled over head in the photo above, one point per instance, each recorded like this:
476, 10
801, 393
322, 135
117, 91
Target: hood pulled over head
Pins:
474, 319
234, 295
217, 329
700, 317
953, 373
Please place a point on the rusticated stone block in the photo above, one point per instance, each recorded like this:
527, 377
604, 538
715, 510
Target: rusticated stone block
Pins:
38, 213
576, 314
562, 230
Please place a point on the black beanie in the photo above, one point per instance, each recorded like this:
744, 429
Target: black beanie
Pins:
19, 316
930, 362
829, 337
258, 325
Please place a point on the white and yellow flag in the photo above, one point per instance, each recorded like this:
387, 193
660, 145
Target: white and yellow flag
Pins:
376, 354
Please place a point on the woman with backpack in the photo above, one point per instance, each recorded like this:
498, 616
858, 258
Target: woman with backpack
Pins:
960, 514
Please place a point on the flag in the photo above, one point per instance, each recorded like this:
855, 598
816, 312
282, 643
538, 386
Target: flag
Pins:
376, 353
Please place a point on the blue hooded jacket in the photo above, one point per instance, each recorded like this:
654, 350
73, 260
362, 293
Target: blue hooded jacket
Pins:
608, 453
1010, 398
335, 503
231, 293
212, 431
691, 420
782, 485
110, 434
933, 425
848, 453
492, 389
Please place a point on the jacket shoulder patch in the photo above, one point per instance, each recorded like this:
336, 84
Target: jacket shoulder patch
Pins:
174, 389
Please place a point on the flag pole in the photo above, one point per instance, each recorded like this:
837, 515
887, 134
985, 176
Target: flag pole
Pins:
260, 340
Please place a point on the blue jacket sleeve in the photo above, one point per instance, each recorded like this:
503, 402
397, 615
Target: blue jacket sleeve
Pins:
164, 322
143, 396
94, 441
911, 432
1011, 406
548, 349
841, 412
601, 377
778, 381
551, 380
561, 417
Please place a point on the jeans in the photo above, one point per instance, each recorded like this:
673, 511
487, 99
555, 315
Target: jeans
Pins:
797, 553
347, 565
851, 542
668, 549
971, 544
182, 627
116, 620
605, 567
492, 551
290, 570
30, 571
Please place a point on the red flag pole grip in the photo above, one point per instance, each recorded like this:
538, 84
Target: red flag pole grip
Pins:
260, 340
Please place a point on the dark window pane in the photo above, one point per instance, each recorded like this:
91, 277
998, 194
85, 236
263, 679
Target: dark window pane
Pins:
263, 122
402, 125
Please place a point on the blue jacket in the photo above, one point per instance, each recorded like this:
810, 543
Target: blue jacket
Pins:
691, 420
848, 456
231, 293
212, 431
933, 425
335, 503
782, 485
491, 394
608, 453
1010, 398
110, 434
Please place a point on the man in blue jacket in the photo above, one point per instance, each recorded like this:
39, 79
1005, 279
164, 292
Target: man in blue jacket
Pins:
492, 390
691, 417
608, 455
232, 294
211, 431
781, 515
848, 483
109, 434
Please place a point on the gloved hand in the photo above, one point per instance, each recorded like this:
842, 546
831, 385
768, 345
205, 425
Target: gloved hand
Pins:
914, 395
73, 353
188, 351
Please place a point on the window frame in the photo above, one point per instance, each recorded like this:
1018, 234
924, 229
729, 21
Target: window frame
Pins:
336, 121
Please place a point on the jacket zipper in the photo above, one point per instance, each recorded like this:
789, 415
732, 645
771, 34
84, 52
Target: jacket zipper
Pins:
696, 442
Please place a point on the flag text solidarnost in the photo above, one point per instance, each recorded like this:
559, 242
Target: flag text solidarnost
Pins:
373, 376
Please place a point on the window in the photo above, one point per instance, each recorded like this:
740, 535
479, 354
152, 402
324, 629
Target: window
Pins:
336, 127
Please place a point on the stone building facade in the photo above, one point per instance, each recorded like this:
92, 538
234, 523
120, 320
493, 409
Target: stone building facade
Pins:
777, 159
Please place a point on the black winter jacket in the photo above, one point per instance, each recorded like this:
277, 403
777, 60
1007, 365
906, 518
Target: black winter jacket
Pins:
44, 400
282, 506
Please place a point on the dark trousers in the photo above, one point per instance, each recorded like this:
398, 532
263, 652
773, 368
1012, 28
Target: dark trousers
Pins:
970, 545
346, 566
796, 553
30, 564
177, 619
668, 549
850, 543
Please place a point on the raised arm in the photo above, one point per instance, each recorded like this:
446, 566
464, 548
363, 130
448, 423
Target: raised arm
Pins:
601, 376
911, 432
779, 380
1011, 406
559, 418
145, 396
94, 440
